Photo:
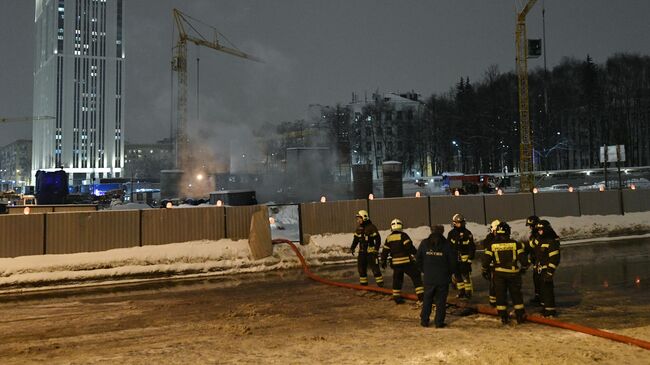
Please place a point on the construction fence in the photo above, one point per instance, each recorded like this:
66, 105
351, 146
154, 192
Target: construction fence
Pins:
54, 232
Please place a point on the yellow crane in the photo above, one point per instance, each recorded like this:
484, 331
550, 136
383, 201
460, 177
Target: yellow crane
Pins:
179, 64
527, 180
24, 119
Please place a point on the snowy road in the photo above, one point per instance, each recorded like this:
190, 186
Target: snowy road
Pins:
281, 317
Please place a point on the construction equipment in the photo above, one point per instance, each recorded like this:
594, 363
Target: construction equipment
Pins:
25, 119
526, 181
179, 64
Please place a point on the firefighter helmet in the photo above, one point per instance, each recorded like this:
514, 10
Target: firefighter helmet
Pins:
493, 226
503, 229
542, 224
396, 225
532, 221
458, 218
363, 215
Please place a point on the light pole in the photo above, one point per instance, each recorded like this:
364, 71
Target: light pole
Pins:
459, 163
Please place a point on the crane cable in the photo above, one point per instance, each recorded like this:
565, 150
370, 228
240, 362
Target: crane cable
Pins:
483, 309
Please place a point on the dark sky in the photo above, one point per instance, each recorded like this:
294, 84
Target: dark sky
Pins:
319, 51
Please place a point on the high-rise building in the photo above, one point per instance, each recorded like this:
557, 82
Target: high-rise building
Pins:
78, 73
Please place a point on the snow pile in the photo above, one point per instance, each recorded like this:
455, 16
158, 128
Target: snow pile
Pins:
230, 257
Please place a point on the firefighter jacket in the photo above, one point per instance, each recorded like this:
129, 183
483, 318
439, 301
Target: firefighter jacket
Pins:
530, 247
367, 238
400, 247
506, 254
487, 244
437, 260
462, 240
547, 252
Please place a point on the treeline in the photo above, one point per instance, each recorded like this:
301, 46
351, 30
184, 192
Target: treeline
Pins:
575, 108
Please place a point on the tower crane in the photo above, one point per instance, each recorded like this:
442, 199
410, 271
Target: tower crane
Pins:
526, 181
179, 64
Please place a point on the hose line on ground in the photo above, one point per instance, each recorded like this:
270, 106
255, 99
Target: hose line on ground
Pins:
483, 309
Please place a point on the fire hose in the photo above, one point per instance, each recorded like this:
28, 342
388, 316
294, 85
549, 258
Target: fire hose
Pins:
483, 309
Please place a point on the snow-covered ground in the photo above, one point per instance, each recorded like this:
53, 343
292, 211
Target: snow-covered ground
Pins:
204, 258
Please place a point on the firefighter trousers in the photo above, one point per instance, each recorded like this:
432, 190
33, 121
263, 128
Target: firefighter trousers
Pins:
492, 293
537, 282
398, 279
464, 278
547, 296
505, 283
369, 259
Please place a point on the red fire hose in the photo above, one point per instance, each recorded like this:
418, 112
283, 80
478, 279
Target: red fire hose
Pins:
479, 308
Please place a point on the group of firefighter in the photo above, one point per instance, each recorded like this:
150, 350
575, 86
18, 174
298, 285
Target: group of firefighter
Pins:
444, 260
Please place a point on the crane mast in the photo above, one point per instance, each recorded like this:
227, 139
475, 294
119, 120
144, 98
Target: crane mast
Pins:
526, 181
179, 64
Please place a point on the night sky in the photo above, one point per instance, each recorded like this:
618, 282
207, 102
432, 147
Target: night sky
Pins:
318, 52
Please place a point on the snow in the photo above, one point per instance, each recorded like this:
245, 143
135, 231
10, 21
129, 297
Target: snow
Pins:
225, 256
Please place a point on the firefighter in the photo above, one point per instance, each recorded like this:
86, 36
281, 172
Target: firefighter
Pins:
547, 254
509, 261
438, 262
367, 238
531, 245
402, 252
462, 241
487, 243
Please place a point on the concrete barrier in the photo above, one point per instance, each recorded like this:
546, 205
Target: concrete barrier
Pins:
560, 204
91, 231
21, 235
162, 226
600, 202
331, 217
636, 200
20, 209
442, 208
508, 206
414, 212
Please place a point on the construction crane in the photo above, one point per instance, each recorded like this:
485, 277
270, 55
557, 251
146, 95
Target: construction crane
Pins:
25, 119
526, 180
179, 64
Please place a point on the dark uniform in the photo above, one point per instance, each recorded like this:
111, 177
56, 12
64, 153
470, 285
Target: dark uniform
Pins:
400, 247
437, 261
367, 238
462, 241
492, 296
507, 256
530, 253
547, 255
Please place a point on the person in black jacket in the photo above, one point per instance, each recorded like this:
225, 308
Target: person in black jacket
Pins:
438, 262
402, 252
531, 248
367, 238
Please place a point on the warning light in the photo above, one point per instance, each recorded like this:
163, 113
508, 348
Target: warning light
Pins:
371, 196
323, 199
499, 192
417, 194
637, 282
219, 203
632, 186
457, 193
601, 187
26, 210
570, 189
535, 191
168, 205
